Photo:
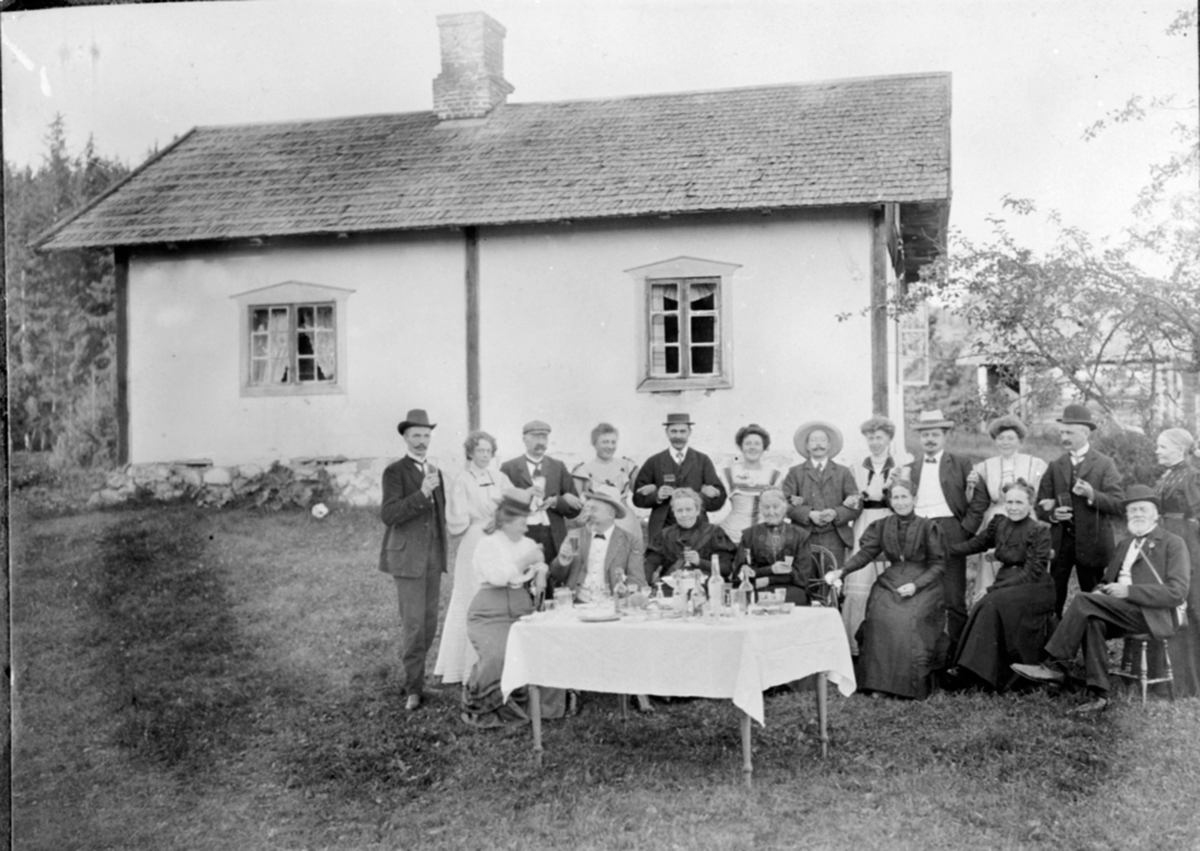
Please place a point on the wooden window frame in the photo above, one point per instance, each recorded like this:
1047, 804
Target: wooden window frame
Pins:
685, 271
293, 295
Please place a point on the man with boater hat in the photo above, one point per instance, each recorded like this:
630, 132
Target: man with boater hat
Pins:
940, 478
822, 496
1079, 495
414, 547
550, 486
1143, 590
678, 466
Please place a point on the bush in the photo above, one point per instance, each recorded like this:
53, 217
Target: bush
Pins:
1133, 453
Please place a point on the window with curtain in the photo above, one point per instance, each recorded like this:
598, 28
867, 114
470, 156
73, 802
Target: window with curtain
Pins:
684, 328
292, 344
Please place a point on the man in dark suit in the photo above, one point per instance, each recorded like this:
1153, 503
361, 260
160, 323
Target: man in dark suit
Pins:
676, 467
550, 485
1079, 496
1145, 585
822, 496
414, 547
943, 499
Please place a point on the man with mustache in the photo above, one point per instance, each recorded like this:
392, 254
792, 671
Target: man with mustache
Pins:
1079, 496
1145, 585
943, 498
549, 485
414, 547
676, 467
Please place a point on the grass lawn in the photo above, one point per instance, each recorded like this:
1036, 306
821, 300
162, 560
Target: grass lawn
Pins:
193, 679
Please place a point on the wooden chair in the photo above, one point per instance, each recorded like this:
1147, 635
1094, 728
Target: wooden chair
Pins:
1135, 667
823, 561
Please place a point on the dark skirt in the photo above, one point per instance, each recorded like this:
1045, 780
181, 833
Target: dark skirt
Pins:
903, 639
1185, 644
1008, 625
490, 617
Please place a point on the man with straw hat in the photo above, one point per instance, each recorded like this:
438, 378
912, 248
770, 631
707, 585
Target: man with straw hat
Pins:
678, 466
822, 496
1079, 495
947, 500
1144, 588
414, 547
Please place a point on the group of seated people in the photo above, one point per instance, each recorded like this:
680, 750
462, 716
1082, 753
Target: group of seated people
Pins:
894, 552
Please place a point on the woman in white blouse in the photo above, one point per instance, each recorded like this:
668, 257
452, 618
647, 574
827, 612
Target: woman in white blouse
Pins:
470, 508
747, 479
1007, 466
510, 567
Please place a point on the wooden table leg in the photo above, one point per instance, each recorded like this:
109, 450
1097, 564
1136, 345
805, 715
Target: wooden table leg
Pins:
623, 702
535, 716
747, 765
822, 712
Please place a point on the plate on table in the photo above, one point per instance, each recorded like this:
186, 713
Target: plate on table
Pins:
599, 617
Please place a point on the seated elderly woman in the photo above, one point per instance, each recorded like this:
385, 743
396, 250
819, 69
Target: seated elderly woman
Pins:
691, 544
508, 565
903, 638
1015, 617
776, 554
995, 474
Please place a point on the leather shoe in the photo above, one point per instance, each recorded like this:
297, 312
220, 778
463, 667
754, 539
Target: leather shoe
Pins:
1038, 673
412, 703
1092, 707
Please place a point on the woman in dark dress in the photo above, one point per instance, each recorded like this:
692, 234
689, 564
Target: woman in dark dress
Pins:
691, 543
1013, 620
1179, 490
776, 553
902, 637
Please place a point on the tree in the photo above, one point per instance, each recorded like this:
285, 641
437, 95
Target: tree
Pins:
1118, 322
60, 318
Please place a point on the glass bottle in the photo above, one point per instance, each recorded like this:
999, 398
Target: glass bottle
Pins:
620, 594
716, 587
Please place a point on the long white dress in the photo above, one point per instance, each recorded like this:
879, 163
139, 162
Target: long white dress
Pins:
856, 586
745, 489
994, 474
471, 505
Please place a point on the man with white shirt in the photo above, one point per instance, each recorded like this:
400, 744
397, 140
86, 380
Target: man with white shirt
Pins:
414, 547
605, 551
1146, 582
678, 466
943, 499
549, 485
1079, 496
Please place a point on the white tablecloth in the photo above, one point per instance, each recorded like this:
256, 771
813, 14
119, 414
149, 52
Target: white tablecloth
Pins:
732, 658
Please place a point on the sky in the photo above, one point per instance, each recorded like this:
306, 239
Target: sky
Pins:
1028, 77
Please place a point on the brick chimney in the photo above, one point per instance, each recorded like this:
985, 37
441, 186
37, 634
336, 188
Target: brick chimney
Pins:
472, 81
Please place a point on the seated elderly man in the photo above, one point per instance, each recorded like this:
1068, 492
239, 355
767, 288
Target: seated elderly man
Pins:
1144, 585
691, 543
606, 552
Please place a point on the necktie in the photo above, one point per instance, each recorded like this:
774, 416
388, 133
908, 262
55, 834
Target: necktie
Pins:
599, 536
679, 458
930, 460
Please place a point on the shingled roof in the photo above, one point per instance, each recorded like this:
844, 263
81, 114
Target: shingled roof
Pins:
846, 142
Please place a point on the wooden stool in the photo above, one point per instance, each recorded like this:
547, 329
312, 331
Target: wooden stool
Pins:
1139, 669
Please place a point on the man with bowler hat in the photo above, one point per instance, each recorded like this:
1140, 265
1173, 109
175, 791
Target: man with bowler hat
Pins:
1144, 588
940, 478
678, 466
1079, 495
550, 487
414, 547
